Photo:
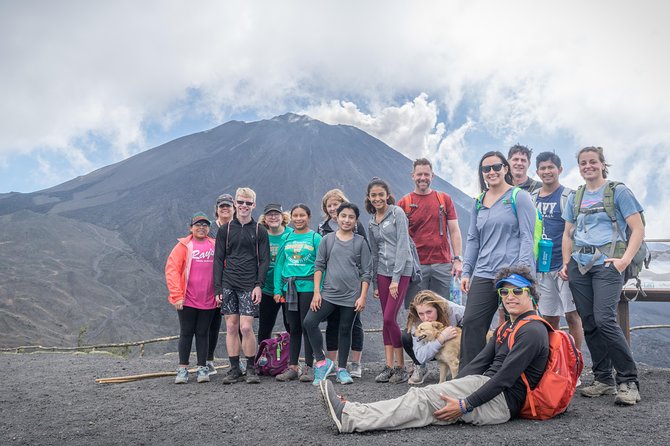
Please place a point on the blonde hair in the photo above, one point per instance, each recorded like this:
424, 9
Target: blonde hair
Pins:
245, 192
333, 193
427, 297
286, 219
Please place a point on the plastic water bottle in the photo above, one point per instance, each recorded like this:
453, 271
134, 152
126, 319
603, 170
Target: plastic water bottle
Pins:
262, 361
544, 257
455, 290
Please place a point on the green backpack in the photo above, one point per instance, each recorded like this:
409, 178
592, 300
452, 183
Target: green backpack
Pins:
539, 229
616, 248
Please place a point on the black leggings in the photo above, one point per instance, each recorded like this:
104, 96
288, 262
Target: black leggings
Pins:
480, 308
214, 328
311, 326
268, 310
295, 320
332, 333
408, 346
193, 321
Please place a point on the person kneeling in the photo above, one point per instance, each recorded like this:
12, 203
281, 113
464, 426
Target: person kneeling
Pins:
489, 390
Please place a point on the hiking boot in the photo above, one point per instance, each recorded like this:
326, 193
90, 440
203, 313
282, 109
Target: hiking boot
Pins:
355, 370
343, 376
252, 376
598, 389
320, 372
418, 375
287, 375
182, 376
307, 375
202, 374
385, 375
211, 368
400, 375
627, 394
332, 402
232, 376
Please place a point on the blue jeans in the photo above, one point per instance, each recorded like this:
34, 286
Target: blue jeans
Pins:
596, 295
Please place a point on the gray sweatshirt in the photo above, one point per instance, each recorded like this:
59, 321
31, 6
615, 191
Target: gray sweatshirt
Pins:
389, 243
342, 275
498, 238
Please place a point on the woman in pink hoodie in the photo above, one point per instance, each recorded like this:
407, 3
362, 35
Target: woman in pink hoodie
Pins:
189, 274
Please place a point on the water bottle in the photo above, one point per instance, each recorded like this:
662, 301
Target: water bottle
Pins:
455, 290
544, 257
262, 361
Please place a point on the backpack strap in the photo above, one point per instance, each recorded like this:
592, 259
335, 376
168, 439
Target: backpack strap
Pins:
515, 192
564, 197
406, 204
442, 213
479, 200
534, 195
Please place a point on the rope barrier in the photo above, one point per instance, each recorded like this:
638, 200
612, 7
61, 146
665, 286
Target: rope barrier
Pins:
141, 344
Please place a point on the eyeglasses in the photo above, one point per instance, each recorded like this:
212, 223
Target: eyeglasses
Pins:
201, 224
241, 202
496, 168
504, 292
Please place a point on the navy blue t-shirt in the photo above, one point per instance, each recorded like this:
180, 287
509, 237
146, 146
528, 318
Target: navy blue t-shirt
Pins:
550, 208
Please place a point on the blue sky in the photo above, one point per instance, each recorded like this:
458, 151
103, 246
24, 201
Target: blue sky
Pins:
85, 84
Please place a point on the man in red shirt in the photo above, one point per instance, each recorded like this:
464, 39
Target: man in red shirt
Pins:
432, 216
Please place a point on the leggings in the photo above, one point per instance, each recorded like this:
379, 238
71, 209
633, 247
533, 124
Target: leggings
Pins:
408, 346
332, 333
480, 308
390, 308
214, 328
295, 321
193, 321
311, 326
268, 310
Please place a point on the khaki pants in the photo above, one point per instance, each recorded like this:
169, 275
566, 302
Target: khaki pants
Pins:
416, 407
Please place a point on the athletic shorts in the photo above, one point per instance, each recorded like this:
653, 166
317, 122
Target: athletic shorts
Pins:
555, 295
238, 302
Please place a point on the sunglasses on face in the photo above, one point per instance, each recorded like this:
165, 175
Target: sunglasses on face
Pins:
496, 168
241, 202
504, 292
201, 224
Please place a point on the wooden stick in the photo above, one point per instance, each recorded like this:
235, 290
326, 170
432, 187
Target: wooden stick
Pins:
130, 378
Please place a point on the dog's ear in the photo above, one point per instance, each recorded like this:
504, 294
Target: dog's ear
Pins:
437, 325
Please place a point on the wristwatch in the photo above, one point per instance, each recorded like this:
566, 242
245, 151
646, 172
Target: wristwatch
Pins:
454, 258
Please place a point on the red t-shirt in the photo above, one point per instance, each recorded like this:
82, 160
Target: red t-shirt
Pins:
424, 226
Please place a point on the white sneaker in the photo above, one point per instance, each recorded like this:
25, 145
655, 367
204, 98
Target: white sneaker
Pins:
419, 375
211, 368
355, 370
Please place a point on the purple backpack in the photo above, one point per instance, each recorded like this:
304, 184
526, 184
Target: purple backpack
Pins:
273, 355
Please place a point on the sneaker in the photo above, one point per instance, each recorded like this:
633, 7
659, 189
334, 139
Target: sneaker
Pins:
232, 376
385, 375
203, 374
343, 376
307, 375
182, 376
400, 375
211, 368
418, 375
252, 376
356, 370
627, 394
579, 382
287, 375
320, 372
598, 389
332, 402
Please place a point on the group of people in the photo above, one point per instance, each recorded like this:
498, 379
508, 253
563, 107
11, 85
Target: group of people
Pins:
243, 269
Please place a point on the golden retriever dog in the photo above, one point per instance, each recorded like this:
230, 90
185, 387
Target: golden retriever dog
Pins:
447, 356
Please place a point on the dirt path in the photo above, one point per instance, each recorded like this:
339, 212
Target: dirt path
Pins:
53, 399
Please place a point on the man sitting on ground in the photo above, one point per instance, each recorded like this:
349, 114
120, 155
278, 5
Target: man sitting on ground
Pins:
489, 390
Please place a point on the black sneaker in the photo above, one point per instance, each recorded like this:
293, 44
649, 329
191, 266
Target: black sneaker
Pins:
232, 376
252, 376
333, 403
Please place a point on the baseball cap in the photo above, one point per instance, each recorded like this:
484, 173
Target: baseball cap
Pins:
272, 207
198, 217
224, 199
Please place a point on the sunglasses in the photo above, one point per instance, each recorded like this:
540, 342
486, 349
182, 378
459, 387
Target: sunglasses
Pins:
241, 202
496, 168
201, 224
504, 292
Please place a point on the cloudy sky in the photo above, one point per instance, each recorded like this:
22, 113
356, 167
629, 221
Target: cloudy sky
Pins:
85, 84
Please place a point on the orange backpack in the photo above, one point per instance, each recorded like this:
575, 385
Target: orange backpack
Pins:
554, 391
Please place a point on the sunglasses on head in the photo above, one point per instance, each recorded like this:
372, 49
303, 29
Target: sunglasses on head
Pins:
504, 292
496, 168
241, 202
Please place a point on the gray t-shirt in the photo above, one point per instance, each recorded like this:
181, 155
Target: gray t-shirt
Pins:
342, 276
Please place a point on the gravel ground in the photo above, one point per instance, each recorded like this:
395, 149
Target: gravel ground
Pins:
52, 398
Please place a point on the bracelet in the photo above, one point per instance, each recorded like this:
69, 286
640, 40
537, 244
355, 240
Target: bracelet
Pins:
462, 404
